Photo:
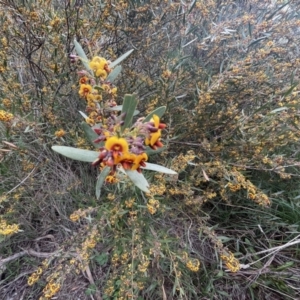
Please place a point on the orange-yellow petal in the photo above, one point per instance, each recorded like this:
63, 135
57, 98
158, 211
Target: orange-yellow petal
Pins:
126, 160
139, 161
116, 144
85, 89
155, 120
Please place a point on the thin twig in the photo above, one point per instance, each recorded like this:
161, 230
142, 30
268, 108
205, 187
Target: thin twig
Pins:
26, 252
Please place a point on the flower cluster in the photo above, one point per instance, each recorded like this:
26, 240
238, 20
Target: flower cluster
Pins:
152, 206
51, 289
231, 262
80, 213
100, 67
121, 146
93, 87
127, 149
193, 264
6, 229
5, 116
34, 277
59, 133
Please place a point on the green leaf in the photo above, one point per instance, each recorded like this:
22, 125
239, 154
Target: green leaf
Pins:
285, 266
129, 104
191, 6
158, 168
91, 135
114, 74
120, 107
92, 289
257, 41
82, 55
138, 179
76, 154
158, 111
121, 58
150, 151
101, 180
101, 259
286, 93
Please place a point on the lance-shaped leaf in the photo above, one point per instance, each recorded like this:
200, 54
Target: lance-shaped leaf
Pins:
158, 168
120, 107
121, 58
138, 179
91, 135
129, 104
114, 74
82, 55
158, 111
101, 180
76, 154
83, 114
150, 151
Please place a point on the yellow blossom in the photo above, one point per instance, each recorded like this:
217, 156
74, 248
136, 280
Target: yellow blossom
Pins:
74, 217
5, 116
231, 262
152, 206
60, 133
6, 229
193, 265
85, 89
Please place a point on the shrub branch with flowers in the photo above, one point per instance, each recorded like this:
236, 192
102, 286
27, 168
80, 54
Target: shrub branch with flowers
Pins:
224, 76
123, 145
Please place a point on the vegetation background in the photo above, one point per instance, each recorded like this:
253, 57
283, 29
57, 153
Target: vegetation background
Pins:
228, 226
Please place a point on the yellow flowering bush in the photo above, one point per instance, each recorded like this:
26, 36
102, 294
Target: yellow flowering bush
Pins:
208, 88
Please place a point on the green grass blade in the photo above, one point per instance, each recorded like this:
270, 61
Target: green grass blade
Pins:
101, 180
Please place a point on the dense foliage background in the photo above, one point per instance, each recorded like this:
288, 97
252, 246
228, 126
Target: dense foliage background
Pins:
228, 72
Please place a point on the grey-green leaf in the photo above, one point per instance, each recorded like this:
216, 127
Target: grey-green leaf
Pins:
91, 135
139, 180
158, 168
114, 74
120, 107
158, 111
82, 55
76, 154
150, 151
129, 104
101, 180
121, 58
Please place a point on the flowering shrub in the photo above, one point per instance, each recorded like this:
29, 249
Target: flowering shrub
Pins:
125, 145
211, 90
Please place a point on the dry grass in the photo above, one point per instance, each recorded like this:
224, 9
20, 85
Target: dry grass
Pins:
228, 73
